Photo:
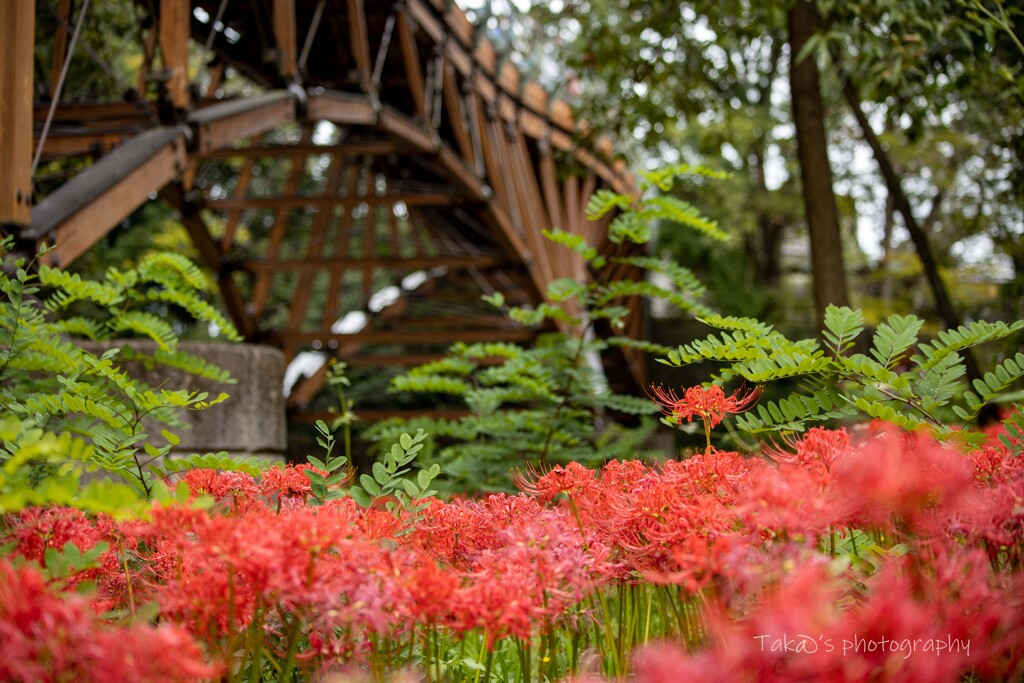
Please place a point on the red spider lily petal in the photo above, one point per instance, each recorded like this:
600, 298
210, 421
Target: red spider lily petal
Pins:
709, 404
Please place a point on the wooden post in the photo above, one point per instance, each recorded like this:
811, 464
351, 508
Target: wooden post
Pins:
284, 36
18, 19
175, 23
60, 44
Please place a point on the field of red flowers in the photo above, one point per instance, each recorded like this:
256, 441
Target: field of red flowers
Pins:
884, 556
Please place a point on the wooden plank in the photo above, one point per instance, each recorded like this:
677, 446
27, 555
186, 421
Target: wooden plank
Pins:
63, 144
552, 195
370, 263
462, 175
453, 103
261, 288
378, 148
359, 39
344, 109
303, 339
315, 248
241, 192
175, 27
60, 45
220, 125
409, 130
16, 50
292, 201
286, 38
86, 208
337, 276
413, 67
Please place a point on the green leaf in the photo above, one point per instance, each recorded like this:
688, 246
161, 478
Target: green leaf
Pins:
380, 473
369, 484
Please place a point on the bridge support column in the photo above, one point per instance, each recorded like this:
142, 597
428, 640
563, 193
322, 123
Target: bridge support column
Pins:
16, 67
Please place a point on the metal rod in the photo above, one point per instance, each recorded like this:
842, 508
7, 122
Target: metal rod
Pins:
314, 25
385, 41
209, 39
60, 86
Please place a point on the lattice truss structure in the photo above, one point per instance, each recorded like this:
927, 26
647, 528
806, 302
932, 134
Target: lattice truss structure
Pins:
379, 171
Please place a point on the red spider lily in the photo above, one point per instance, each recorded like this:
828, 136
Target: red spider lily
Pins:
571, 480
49, 637
910, 476
709, 404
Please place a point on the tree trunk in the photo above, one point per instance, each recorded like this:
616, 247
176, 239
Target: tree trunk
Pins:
815, 170
918, 235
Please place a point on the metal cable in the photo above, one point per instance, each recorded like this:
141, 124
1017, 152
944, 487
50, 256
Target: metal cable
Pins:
60, 86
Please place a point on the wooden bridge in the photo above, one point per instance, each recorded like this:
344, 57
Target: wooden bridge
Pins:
378, 170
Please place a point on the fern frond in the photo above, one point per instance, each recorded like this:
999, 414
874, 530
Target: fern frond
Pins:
197, 308
630, 405
80, 327
578, 244
894, 337
429, 384
71, 288
992, 385
147, 325
603, 201
172, 269
681, 277
793, 412
179, 360
669, 208
664, 178
842, 327
964, 337
640, 344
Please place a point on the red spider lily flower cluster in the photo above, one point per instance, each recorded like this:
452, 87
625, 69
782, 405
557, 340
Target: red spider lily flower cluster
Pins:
709, 404
932, 543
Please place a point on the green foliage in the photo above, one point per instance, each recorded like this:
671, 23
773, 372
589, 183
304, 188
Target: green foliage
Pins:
550, 403
325, 482
70, 411
902, 380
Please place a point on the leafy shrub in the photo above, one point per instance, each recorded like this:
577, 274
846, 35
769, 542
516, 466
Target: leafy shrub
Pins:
68, 410
902, 380
533, 407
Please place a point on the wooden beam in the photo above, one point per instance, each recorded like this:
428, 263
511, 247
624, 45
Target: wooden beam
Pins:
314, 248
344, 109
261, 288
359, 39
291, 201
413, 67
241, 192
453, 103
88, 206
408, 130
60, 45
373, 148
219, 125
65, 144
16, 49
302, 339
369, 263
175, 27
285, 37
